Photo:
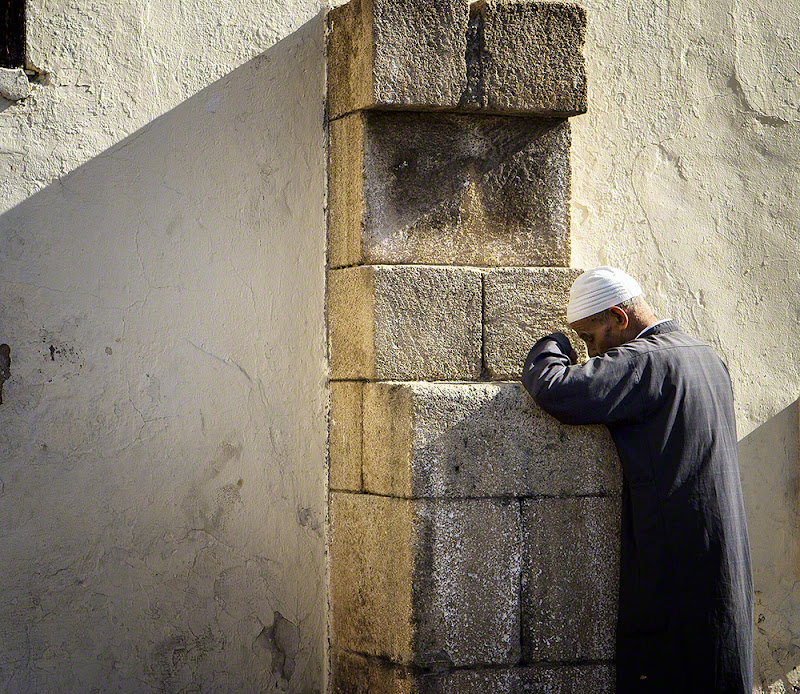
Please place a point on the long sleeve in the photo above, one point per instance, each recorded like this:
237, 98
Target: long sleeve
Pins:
604, 390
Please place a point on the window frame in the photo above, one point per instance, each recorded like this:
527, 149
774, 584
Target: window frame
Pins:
12, 19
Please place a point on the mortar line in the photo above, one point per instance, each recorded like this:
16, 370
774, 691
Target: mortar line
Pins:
465, 111
361, 417
484, 367
508, 498
519, 665
521, 559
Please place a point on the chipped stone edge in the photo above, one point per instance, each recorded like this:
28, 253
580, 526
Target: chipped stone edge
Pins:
14, 84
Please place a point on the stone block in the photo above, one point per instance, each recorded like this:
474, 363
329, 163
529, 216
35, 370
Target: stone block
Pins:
527, 57
477, 440
597, 678
548, 679
346, 190
401, 53
466, 583
433, 583
570, 578
472, 681
344, 443
521, 305
449, 189
355, 674
405, 323
372, 575
503, 57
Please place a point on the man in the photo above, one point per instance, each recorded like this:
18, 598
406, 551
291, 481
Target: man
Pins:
685, 594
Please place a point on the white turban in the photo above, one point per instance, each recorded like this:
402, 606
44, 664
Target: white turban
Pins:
598, 289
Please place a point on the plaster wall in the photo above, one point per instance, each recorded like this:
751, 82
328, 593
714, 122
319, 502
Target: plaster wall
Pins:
163, 437
684, 173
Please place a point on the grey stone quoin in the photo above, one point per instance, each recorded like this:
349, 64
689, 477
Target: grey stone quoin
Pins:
473, 541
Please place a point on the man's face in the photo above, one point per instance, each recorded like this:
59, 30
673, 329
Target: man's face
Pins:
602, 331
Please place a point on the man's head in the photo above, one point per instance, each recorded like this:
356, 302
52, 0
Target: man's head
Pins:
606, 308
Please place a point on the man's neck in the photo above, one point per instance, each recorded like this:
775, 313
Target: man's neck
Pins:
637, 325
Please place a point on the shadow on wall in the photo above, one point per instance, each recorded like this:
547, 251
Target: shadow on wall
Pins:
162, 440
770, 462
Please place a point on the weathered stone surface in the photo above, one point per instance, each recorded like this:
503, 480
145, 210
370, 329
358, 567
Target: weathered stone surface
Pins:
396, 53
522, 305
569, 578
478, 439
477, 681
466, 582
505, 57
429, 582
449, 189
372, 564
345, 436
14, 85
355, 674
405, 322
597, 678
346, 186
527, 56
546, 679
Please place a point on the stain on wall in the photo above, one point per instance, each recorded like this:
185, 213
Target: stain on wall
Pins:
5, 367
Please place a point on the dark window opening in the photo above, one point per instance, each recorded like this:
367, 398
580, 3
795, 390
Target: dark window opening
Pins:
12, 49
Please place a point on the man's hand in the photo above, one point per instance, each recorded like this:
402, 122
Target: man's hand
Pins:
573, 356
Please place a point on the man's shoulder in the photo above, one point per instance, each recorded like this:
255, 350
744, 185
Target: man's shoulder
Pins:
674, 344
678, 356
669, 340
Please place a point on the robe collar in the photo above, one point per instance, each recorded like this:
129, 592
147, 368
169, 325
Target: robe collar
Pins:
666, 326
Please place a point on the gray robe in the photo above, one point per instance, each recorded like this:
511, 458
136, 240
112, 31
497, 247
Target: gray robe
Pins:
685, 619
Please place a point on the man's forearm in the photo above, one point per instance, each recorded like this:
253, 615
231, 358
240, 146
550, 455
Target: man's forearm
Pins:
551, 351
601, 391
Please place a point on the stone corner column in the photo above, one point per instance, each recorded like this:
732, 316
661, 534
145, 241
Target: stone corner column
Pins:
472, 537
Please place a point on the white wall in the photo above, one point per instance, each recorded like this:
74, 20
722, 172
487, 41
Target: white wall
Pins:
685, 174
162, 472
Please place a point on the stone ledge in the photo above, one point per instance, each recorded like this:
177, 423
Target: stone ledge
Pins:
478, 440
448, 189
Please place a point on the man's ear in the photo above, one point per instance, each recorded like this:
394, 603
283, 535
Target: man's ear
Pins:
619, 315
